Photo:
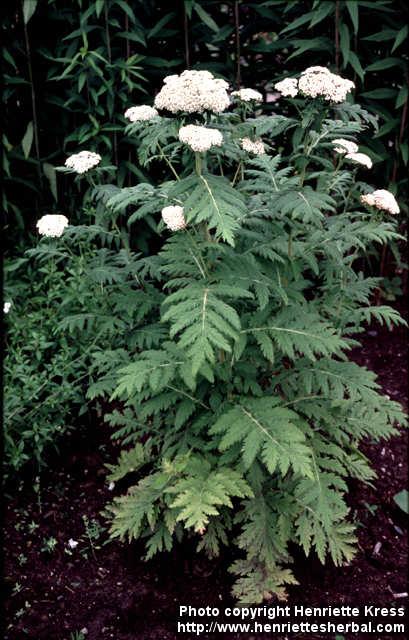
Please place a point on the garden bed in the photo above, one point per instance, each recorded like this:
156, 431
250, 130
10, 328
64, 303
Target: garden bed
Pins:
113, 594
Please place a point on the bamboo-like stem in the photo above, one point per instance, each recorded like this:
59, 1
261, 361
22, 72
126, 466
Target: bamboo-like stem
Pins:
33, 101
186, 36
128, 55
127, 43
107, 34
109, 51
237, 34
337, 35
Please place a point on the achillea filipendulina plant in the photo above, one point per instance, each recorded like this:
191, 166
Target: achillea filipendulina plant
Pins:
241, 412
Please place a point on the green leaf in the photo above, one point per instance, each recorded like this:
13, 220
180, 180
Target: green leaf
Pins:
49, 172
27, 140
344, 43
404, 152
353, 9
380, 93
356, 65
324, 9
402, 35
386, 63
203, 491
99, 5
401, 97
29, 7
298, 22
402, 500
389, 125
267, 431
213, 200
205, 17
127, 9
161, 23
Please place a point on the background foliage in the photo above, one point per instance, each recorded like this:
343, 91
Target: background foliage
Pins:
72, 68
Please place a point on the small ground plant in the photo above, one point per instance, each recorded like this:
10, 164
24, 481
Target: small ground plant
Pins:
239, 411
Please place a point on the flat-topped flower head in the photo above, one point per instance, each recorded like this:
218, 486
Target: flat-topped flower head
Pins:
83, 161
253, 146
141, 114
193, 92
317, 69
317, 82
200, 138
381, 199
345, 146
173, 217
52, 225
360, 158
287, 87
248, 95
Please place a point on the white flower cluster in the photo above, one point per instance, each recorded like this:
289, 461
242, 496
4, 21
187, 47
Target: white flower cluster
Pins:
200, 138
350, 150
193, 92
141, 113
83, 161
317, 82
345, 146
253, 146
6, 307
52, 225
247, 95
173, 217
287, 87
381, 199
360, 158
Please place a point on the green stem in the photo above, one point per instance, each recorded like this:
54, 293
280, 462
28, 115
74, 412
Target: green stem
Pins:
168, 162
198, 164
236, 174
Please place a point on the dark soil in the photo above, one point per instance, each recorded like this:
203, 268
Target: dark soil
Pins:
112, 593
